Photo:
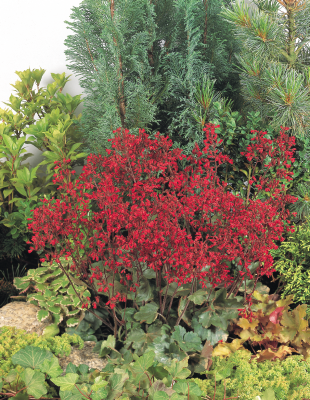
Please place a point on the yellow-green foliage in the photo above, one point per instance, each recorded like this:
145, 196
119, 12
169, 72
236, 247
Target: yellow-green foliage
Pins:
293, 262
289, 379
12, 340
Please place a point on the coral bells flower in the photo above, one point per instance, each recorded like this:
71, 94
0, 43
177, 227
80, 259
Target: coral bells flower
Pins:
167, 215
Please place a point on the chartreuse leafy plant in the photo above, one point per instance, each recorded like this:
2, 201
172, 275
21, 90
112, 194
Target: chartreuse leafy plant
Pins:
272, 332
12, 340
293, 263
124, 377
55, 133
48, 287
240, 378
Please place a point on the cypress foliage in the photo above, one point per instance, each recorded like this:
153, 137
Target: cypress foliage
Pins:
149, 64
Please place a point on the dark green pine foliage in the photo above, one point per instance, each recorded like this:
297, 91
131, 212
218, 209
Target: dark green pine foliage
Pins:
151, 64
275, 63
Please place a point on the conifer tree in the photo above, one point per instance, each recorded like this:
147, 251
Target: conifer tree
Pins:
275, 73
152, 64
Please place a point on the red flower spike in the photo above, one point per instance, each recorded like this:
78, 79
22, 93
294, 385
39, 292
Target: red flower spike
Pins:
161, 242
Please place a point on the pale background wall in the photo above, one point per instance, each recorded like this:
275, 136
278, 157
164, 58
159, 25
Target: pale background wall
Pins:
33, 33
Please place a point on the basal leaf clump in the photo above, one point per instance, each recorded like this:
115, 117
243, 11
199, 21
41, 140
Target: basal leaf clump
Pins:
272, 329
49, 288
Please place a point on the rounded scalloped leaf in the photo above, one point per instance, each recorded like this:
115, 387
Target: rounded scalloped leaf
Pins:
48, 293
36, 296
86, 293
76, 302
63, 280
54, 309
66, 301
72, 322
57, 318
41, 287
285, 302
73, 312
260, 297
20, 283
42, 315
35, 302
56, 287
246, 324
71, 291
65, 310
63, 290
37, 273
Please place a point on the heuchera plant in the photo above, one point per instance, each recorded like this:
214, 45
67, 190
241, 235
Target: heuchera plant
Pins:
183, 225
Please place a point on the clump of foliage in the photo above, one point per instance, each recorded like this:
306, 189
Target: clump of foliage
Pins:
271, 331
124, 377
270, 380
12, 340
48, 287
293, 263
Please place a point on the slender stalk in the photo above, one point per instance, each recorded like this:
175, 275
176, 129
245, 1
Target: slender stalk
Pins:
171, 300
165, 298
186, 305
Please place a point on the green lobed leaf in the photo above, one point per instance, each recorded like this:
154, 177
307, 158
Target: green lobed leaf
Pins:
142, 365
181, 387
51, 367
42, 315
160, 395
178, 369
35, 382
66, 382
188, 341
30, 356
147, 313
199, 297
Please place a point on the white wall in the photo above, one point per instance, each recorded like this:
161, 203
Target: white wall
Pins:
33, 34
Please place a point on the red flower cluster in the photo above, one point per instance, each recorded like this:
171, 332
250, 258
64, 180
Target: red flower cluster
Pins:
138, 187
